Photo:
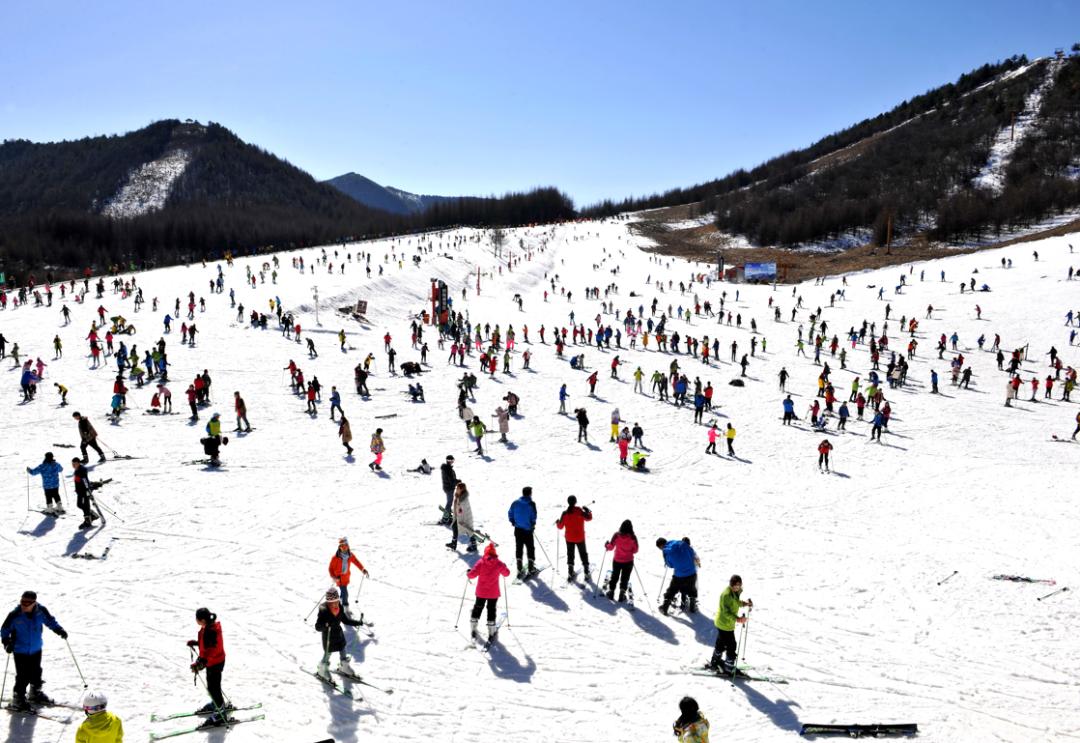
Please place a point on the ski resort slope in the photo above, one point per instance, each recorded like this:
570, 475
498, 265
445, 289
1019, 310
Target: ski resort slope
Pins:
843, 568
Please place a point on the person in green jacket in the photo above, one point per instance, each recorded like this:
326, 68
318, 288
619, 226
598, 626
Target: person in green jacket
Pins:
727, 616
100, 726
478, 430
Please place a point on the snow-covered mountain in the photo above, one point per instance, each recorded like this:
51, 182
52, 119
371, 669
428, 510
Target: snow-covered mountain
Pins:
845, 568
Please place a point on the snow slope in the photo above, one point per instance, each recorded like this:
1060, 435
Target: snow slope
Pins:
843, 568
992, 174
147, 188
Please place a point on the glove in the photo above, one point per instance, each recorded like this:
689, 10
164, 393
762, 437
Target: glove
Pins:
193, 643
63, 634
9, 644
367, 574
741, 620
198, 665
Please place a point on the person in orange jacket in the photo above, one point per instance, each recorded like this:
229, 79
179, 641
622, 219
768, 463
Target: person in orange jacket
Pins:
339, 569
573, 521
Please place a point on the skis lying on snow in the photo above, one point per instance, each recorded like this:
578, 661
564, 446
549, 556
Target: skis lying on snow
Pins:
37, 712
1025, 579
201, 713
207, 725
359, 680
858, 731
91, 556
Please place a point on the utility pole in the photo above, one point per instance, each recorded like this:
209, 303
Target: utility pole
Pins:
315, 294
888, 235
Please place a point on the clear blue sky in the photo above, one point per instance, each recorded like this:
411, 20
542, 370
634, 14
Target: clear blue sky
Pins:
598, 98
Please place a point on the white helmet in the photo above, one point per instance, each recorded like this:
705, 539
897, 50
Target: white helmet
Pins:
94, 702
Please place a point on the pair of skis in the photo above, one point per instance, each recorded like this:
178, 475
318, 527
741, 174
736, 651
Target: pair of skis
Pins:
42, 712
207, 724
485, 645
340, 688
528, 576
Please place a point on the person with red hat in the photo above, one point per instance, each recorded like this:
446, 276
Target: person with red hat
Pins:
340, 563
487, 571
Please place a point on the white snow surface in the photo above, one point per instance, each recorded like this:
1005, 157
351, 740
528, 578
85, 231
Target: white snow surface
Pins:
843, 568
148, 187
992, 175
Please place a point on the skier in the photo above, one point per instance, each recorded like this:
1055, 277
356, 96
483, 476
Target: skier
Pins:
50, 470
478, 430
592, 383
487, 571
573, 521
562, 399
624, 544
583, 424
377, 448
713, 433
684, 562
616, 419
463, 518
691, 727
331, 617
504, 422
727, 616
340, 571
449, 482
730, 436
88, 437
211, 658
100, 725
83, 498
21, 636
823, 454
241, 413
345, 433
522, 515
335, 402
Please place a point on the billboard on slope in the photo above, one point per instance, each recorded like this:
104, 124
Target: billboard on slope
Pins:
760, 272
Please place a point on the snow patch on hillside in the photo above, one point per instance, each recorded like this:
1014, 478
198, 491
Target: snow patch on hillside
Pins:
148, 187
992, 175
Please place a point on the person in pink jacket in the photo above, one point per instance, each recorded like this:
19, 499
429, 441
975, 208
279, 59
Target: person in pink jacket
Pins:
624, 446
625, 545
487, 571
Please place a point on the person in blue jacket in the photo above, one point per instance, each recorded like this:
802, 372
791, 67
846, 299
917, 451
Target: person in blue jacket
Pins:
789, 410
522, 515
562, 399
50, 471
28, 383
21, 635
683, 561
167, 321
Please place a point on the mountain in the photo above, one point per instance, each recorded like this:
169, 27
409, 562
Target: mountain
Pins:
172, 191
995, 152
387, 198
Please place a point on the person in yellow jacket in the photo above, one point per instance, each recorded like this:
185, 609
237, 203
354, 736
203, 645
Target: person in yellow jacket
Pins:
730, 436
691, 727
727, 616
100, 725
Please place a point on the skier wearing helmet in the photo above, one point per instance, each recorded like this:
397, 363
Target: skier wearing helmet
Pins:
100, 725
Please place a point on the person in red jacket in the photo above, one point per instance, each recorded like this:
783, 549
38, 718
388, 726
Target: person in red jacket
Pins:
573, 521
487, 571
823, 454
339, 569
625, 545
211, 658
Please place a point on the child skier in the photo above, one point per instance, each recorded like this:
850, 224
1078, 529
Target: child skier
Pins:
331, 617
487, 571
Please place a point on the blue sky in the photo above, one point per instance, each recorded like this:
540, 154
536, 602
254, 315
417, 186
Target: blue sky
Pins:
598, 98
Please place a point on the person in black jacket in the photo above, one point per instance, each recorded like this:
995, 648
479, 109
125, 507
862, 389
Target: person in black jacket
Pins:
583, 425
83, 499
331, 617
449, 481
88, 437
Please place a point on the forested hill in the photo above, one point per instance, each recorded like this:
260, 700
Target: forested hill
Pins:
998, 148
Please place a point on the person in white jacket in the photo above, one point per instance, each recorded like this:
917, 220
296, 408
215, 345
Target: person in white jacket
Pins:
463, 519
504, 422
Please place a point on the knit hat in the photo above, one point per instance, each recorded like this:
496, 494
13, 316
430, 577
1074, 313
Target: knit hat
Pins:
571, 500
29, 595
489, 551
332, 595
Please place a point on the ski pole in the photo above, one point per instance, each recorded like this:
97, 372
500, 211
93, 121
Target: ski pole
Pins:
67, 501
314, 608
541, 546
506, 593
109, 510
3, 686
601, 573
945, 579
1054, 593
84, 684
740, 651
640, 582
462, 606
556, 567
27, 491
661, 591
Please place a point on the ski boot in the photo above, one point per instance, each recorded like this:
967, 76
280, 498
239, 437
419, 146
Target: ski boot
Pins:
345, 668
19, 703
588, 574
622, 597
37, 696
493, 632
452, 545
532, 572
86, 525
206, 708
472, 546
59, 509
323, 671
691, 607
473, 633
664, 607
